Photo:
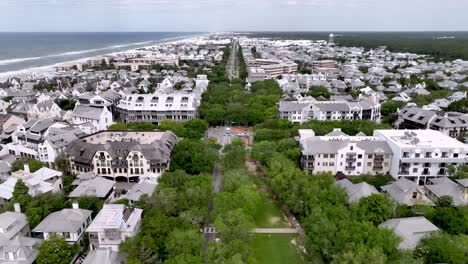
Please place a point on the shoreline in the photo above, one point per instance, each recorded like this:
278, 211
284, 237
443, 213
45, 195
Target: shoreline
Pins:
49, 71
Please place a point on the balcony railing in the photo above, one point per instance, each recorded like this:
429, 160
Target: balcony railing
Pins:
379, 158
350, 168
403, 173
350, 159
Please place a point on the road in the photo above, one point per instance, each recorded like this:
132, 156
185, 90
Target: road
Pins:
233, 64
221, 135
223, 138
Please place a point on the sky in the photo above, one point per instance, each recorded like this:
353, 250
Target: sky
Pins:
232, 15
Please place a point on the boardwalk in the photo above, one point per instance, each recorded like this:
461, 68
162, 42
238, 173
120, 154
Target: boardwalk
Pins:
275, 231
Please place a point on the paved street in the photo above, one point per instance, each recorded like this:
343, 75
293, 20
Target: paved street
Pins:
233, 67
220, 134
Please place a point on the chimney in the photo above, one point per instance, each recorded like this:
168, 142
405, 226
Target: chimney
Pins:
17, 207
75, 205
26, 168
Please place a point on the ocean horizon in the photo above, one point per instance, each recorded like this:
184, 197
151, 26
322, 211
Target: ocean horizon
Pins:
26, 50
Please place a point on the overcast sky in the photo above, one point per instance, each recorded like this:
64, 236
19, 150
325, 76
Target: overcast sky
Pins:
233, 15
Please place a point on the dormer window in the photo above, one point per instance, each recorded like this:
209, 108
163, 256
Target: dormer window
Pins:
185, 99
155, 99
169, 99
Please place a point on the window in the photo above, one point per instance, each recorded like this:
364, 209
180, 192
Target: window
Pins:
428, 154
455, 155
325, 164
417, 155
369, 164
359, 164
325, 156
332, 163
7, 255
359, 156
415, 170
332, 156
415, 195
351, 148
405, 154
369, 156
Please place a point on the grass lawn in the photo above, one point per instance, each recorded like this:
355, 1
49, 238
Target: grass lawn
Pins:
269, 215
276, 249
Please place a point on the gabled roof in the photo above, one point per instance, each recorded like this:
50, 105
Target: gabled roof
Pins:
66, 220
104, 256
88, 112
356, 191
97, 187
24, 248
410, 229
45, 173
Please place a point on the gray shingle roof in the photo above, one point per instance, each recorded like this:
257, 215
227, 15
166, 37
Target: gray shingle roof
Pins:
356, 191
88, 112
411, 230
66, 220
97, 187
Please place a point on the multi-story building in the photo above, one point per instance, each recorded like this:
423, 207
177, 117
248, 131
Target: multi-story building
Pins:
421, 155
269, 68
324, 64
452, 124
339, 153
367, 108
113, 224
27, 138
97, 118
155, 108
122, 155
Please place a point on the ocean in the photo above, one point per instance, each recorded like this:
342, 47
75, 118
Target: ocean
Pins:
20, 51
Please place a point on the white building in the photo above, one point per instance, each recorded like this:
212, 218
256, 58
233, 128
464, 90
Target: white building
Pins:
340, 153
69, 223
420, 155
99, 117
303, 111
113, 224
44, 110
155, 108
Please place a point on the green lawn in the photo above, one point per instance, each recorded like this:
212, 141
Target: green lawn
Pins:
276, 249
269, 215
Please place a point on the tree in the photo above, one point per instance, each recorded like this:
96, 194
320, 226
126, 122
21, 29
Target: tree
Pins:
90, 203
320, 91
194, 156
389, 109
195, 128
459, 106
361, 255
375, 208
364, 69
234, 225
443, 248
450, 219
55, 250
20, 194
62, 164
445, 201
184, 242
